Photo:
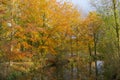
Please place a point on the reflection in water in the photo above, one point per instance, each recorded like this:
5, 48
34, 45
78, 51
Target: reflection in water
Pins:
61, 72
99, 65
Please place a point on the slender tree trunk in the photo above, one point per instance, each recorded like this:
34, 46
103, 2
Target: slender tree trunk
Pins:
43, 53
77, 52
71, 47
71, 44
95, 53
116, 26
12, 29
90, 66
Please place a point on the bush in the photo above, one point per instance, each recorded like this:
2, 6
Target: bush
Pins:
14, 75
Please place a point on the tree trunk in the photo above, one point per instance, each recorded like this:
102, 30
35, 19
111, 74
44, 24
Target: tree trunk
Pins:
95, 53
90, 66
116, 26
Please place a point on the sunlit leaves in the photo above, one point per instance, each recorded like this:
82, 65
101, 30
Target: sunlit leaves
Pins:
46, 26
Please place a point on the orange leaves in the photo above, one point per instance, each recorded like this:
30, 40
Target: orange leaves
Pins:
52, 51
90, 26
42, 24
93, 21
48, 49
19, 28
19, 55
25, 45
46, 25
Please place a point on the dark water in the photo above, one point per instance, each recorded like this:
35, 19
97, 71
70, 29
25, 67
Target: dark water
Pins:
60, 72
69, 71
65, 72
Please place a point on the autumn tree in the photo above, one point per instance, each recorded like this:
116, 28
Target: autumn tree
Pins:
109, 46
94, 30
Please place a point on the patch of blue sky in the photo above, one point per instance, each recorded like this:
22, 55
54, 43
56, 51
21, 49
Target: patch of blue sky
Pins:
83, 5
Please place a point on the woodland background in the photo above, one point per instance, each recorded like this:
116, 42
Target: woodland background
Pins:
37, 34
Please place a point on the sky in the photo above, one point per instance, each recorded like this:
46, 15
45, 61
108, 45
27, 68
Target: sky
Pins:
83, 5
